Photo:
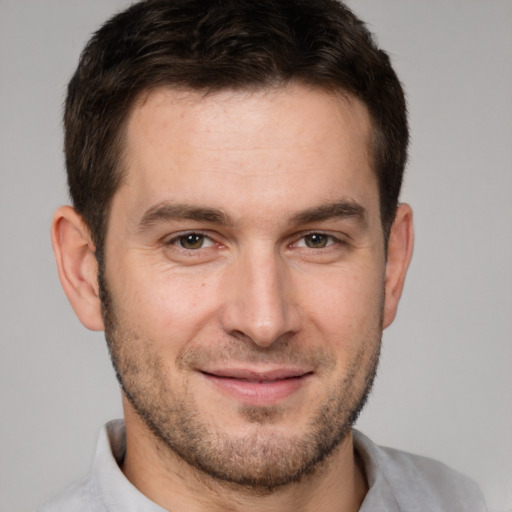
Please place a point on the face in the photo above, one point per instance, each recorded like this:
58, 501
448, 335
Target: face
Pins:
244, 277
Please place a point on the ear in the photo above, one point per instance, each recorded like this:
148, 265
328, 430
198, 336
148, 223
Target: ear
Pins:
399, 254
77, 266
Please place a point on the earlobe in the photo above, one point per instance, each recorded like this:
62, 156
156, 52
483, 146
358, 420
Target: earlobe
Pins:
399, 254
77, 266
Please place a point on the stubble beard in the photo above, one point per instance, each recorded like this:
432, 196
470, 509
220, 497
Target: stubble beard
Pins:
261, 460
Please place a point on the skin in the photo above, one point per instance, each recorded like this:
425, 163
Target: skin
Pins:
271, 311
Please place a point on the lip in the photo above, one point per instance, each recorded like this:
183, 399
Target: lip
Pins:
254, 387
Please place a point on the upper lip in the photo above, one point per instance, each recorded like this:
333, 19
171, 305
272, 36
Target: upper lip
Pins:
256, 375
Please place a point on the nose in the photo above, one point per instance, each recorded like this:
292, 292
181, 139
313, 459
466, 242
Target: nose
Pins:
259, 299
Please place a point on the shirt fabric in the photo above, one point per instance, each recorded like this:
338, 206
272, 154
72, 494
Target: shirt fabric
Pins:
397, 481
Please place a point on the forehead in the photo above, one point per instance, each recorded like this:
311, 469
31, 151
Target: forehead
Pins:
294, 111
234, 147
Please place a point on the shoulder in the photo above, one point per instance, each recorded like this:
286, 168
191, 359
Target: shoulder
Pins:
414, 481
78, 497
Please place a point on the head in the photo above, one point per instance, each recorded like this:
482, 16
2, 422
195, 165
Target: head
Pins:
235, 170
208, 46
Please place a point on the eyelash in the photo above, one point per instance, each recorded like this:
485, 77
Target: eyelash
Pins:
331, 241
174, 241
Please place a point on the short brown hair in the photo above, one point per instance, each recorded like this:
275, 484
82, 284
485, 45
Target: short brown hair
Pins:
209, 45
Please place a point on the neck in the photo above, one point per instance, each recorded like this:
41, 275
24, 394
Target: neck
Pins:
337, 484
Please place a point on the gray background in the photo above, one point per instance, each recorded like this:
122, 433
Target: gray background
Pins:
445, 383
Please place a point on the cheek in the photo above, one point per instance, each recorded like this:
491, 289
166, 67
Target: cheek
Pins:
162, 305
345, 305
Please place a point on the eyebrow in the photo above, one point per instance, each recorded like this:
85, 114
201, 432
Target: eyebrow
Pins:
342, 209
166, 211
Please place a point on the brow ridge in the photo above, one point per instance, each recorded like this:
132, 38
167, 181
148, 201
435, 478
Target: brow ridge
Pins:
166, 211
342, 209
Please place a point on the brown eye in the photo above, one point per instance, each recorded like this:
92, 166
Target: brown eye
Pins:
317, 241
191, 241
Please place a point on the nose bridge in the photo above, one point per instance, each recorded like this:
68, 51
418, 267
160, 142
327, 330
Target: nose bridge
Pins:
259, 303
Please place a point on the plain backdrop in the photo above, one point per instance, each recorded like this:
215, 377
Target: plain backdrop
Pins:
445, 383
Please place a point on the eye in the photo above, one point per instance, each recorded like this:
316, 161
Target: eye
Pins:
192, 241
316, 241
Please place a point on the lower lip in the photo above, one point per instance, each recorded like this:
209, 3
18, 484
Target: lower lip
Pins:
259, 393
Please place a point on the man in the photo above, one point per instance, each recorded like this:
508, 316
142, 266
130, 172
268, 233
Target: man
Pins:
235, 169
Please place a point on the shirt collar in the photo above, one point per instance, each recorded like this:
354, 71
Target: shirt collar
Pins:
380, 495
109, 485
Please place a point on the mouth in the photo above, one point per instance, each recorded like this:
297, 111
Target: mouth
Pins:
254, 387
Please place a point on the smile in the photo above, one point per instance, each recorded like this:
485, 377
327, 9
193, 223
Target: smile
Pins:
258, 388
